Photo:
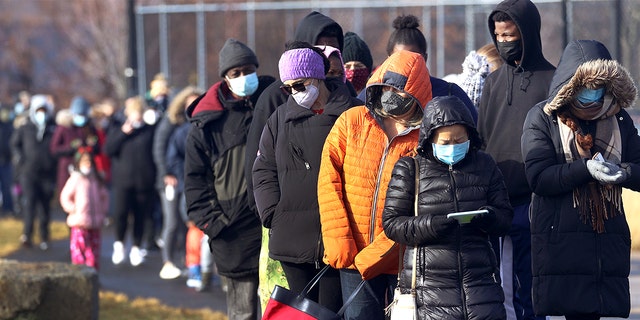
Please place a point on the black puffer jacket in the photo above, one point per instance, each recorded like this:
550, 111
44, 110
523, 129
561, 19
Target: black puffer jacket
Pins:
575, 269
456, 273
285, 175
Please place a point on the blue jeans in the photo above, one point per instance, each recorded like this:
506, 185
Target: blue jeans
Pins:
370, 302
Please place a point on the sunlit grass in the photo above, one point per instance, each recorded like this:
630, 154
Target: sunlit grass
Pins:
113, 306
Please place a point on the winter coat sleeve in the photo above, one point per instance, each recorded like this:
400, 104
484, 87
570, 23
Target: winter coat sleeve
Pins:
545, 174
630, 151
266, 187
267, 103
340, 246
58, 146
203, 206
115, 140
15, 144
68, 194
398, 217
498, 202
175, 154
160, 141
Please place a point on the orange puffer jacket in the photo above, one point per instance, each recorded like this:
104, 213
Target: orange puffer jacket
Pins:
357, 160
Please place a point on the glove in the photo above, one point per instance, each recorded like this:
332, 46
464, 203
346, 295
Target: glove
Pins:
606, 172
441, 225
485, 221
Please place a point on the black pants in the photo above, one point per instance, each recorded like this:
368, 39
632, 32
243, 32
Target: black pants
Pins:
583, 317
327, 292
37, 196
130, 200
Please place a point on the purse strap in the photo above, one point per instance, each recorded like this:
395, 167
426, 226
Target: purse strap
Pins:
319, 275
314, 281
415, 208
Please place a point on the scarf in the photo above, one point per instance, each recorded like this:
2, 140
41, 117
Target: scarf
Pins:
595, 202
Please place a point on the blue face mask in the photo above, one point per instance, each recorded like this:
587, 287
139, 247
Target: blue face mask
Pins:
450, 153
40, 118
245, 85
590, 95
79, 121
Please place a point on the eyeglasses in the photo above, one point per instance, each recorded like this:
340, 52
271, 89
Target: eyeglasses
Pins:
297, 86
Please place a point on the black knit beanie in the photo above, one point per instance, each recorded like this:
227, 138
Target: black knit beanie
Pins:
355, 49
233, 54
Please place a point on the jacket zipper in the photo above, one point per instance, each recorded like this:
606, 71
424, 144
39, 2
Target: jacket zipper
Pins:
299, 154
372, 224
459, 245
319, 244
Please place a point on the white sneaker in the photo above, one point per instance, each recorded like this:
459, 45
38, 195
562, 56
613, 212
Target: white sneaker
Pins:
169, 271
136, 256
194, 283
118, 253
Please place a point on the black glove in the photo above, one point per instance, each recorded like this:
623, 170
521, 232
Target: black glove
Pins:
441, 225
486, 221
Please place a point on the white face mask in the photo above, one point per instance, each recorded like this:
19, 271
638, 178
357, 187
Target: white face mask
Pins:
85, 170
150, 117
245, 85
308, 97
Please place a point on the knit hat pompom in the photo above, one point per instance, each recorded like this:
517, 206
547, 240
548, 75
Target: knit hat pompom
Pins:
301, 63
234, 54
355, 49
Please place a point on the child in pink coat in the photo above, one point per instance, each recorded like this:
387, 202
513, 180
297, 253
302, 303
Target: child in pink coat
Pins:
85, 199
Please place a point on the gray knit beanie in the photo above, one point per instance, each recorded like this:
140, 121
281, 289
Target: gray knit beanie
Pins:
233, 54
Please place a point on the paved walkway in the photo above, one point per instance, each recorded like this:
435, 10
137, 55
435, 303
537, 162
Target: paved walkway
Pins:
143, 281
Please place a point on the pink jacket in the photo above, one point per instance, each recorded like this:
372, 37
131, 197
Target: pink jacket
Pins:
85, 200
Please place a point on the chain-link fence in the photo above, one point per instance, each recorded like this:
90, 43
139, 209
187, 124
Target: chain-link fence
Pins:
182, 40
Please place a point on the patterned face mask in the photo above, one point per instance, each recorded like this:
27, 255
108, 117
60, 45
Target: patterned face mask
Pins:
357, 77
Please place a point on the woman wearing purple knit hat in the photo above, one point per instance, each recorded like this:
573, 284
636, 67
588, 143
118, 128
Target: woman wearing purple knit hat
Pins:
285, 173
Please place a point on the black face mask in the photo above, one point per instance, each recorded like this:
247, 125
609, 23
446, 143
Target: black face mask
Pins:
394, 104
510, 51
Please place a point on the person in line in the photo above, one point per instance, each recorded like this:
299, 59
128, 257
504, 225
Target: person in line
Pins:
173, 228
85, 199
358, 62
455, 263
215, 181
37, 168
6, 167
580, 149
286, 169
508, 94
128, 146
198, 257
357, 159
316, 29
407, 36
477, 65
72, 132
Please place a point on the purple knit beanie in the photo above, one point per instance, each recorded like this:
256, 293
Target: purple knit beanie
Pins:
301, 63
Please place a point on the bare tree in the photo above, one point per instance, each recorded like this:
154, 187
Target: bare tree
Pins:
94, 32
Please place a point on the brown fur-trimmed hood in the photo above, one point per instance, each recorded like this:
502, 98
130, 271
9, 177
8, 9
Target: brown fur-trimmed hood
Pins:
587, 63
